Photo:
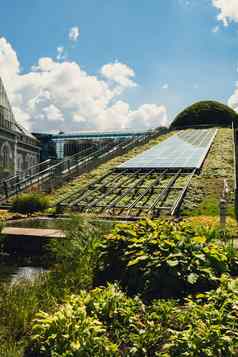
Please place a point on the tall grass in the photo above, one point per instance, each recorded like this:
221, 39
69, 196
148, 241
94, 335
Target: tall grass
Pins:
19, 303
11, 349
77, 256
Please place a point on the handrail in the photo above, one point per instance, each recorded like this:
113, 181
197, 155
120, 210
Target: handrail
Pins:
28, 171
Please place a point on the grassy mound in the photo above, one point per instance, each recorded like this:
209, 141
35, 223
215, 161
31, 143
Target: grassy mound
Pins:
206, 114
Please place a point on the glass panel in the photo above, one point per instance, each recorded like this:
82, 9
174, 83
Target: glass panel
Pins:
186, 149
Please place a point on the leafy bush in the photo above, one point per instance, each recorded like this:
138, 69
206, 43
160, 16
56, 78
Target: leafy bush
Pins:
28, 203
164, 258
90, 324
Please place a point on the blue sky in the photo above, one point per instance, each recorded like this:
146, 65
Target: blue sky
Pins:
179, 52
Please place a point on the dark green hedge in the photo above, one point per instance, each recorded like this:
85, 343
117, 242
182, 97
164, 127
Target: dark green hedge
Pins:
28, 203
205, 113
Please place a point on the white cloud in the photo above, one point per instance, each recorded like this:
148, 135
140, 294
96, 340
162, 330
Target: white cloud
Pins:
215, 29
45, 64
120, 73
148, 116
165, 86
57, 96
53, 113
228, 10
60, 53
8, 60
74, 33
233, 100
184, 2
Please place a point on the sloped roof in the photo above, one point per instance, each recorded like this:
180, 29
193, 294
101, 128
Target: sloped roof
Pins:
4, 102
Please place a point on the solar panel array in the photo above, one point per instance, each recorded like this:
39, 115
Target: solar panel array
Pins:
186, 150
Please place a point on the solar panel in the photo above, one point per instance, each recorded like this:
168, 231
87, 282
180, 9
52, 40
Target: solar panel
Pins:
186, 149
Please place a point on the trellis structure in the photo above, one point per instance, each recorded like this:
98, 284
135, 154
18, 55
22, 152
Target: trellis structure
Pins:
131, 194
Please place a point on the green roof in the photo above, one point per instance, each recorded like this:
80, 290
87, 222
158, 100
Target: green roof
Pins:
205, 114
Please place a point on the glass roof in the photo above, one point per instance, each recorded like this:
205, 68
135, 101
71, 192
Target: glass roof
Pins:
186, 149
98, 134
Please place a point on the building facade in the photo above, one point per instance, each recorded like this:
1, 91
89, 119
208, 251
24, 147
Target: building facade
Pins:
19, 149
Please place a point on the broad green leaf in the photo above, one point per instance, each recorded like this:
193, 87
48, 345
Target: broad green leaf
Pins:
192, 278
200, 239
172, 263
137, 260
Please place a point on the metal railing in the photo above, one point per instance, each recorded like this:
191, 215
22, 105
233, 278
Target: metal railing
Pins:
57, 172
44, 171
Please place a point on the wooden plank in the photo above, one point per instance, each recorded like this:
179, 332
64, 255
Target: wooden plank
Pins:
33, 232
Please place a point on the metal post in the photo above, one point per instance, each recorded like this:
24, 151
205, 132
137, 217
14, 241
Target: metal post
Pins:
60, 149
223, 211
15, 156
5, 189
234, 130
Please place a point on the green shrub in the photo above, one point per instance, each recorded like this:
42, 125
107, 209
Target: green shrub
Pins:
28, 203
164, 258
102, 322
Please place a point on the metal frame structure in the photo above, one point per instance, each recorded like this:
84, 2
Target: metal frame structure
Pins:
132, 194
118, 135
